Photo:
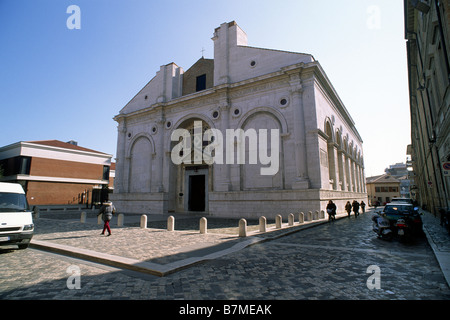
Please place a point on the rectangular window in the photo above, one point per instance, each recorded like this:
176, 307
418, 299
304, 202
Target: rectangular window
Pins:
106, 172
16, 165
377, 189
24, 165
201, 83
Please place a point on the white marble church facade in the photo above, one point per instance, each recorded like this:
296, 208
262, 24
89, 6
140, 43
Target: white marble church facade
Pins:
320, 151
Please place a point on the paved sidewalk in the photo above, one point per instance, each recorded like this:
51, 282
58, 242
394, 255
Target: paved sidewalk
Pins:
152, 250
439, 240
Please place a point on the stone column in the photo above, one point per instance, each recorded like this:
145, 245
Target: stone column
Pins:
159, 185
358, 177
352, 165
120, 158
301, 180
363, 176
222, 171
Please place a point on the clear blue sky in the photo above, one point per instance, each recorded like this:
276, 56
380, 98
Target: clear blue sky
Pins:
57, 83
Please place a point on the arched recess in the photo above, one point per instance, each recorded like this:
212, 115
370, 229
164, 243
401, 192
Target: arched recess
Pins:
331, 155
185, 121
251, 173
328, 129
275, 113
140, 164
340, 160
347, 160
138, 136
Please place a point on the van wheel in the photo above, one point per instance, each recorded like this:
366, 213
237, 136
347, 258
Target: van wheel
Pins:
23, 246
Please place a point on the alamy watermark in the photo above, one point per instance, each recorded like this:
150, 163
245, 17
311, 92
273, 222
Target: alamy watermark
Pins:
74, 280
74, 20
373, 21
216, 148
374, 281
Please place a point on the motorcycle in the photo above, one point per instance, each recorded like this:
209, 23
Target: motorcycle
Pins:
404, 230
382, 227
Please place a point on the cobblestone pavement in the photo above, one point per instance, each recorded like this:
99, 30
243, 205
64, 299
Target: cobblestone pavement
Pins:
325, 262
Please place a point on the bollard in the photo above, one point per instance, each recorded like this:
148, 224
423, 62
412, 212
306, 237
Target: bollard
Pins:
99, 219
203, 225
262, 224
278, 221
316, 215
120, 220
301, 217
322, 214
171, 223
308, 216
144, 221
36, 212
242, 228
291, 219
83, 217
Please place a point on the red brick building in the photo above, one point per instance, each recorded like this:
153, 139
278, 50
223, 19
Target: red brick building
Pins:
56, 172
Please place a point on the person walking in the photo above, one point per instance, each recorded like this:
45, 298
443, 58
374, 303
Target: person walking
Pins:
363, 206
355, 206
107, 210
348, 207
331, 210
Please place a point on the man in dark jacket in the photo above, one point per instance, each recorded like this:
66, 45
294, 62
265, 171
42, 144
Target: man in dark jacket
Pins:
348, 208
355, 206
331, 210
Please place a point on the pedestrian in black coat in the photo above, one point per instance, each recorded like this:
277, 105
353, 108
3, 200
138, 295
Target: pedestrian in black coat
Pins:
331, 210
355, 207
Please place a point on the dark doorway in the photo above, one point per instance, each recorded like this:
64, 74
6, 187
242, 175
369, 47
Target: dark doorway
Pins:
196, 193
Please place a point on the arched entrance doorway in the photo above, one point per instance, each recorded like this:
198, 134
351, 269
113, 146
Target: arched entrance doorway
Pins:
192, 178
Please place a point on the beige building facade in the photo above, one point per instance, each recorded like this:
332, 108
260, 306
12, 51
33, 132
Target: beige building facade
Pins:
382, 189
427, 31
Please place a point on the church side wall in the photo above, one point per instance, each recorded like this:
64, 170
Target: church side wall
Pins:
341, 150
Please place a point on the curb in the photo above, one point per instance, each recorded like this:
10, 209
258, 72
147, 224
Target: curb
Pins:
443, 258
137, 265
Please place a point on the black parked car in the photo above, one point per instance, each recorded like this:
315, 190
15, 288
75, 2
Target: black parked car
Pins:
395, 211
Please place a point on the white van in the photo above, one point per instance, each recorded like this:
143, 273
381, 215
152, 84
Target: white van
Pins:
16, 221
